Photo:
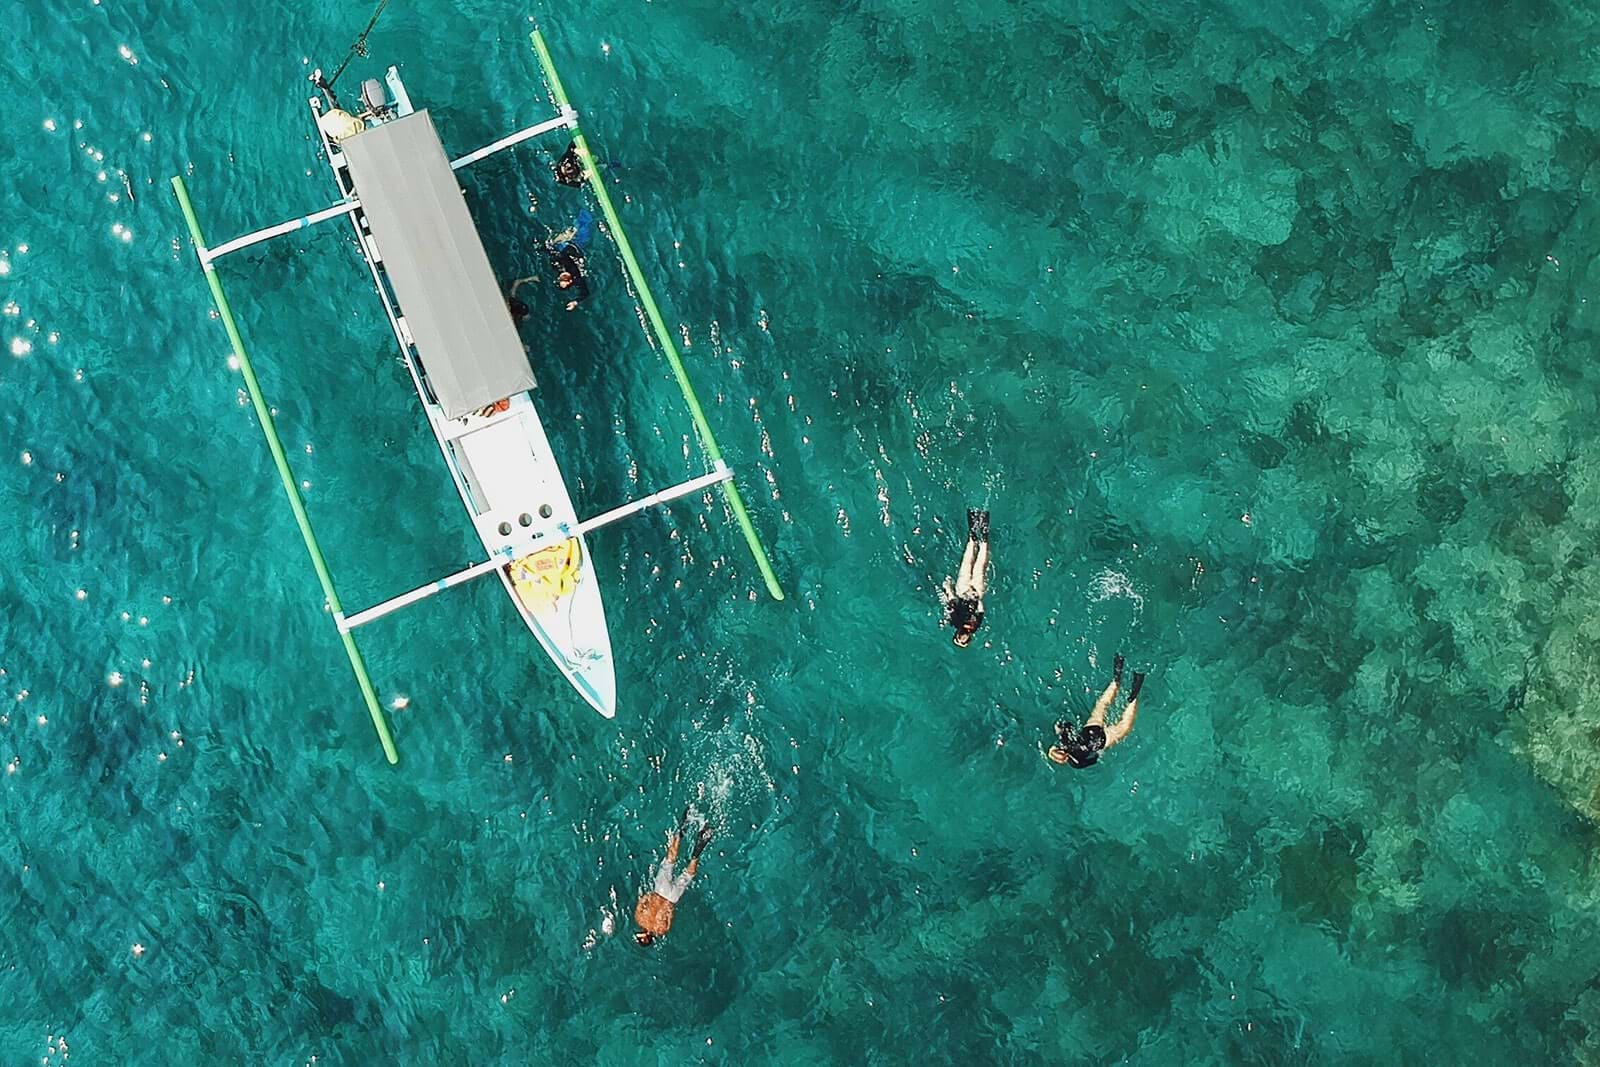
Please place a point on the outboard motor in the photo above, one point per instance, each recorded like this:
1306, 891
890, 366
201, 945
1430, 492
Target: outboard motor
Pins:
373, 96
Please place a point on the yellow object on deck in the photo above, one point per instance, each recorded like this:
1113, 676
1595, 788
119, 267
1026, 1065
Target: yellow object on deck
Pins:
547, 575
340, 125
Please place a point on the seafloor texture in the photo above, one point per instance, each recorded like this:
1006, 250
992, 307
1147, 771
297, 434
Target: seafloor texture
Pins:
1267, 333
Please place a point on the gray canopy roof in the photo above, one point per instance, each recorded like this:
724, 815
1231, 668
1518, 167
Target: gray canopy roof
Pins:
435, 260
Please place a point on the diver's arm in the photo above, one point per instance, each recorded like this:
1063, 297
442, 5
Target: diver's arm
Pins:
580, 290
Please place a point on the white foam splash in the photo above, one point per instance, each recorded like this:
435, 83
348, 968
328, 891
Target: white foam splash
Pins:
1109, 584
732, 783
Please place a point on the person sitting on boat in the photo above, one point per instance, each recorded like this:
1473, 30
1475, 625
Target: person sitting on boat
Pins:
569, 168
1082, 748
519, 310
566, 259
654, 910
963, 598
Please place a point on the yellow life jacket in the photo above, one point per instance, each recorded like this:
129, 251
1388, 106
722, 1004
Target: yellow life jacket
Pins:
545, 576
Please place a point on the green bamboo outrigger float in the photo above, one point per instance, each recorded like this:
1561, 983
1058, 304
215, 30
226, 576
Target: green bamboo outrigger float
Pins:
471, 374
708, 441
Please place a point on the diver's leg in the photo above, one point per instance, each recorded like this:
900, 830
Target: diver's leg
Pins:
663, 883
980, 570
1103, 705
583, 229
978, 525
1124, 725
1098, 716
702, 839
969, 559
675, 887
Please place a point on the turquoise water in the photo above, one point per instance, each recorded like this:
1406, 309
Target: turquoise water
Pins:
1268, 336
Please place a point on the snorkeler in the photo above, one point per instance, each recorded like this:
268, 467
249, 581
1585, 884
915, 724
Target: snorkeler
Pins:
654, 911
569, 168
963, 598
519, 310
566, 259
1082, 748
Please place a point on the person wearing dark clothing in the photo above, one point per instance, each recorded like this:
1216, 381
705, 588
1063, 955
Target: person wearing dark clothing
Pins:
569, 168
566, 259
519, 310
963, 597
1082, 748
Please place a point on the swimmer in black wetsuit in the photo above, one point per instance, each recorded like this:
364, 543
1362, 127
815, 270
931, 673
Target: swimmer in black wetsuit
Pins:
963, 598
566, 259
569, 168
1082, 748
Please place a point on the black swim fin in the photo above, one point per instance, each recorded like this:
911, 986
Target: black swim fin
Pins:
977, 525
1116, 669
701, 841
1138, 680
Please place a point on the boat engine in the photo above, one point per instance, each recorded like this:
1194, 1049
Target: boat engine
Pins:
373, 97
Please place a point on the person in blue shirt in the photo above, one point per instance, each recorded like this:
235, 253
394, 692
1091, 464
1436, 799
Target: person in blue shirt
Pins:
567, 250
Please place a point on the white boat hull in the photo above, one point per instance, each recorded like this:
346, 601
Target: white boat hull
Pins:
511, 485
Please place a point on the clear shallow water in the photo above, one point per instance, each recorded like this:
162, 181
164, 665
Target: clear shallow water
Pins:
1267, 337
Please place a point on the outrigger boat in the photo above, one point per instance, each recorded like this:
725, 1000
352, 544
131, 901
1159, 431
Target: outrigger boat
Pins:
471, 373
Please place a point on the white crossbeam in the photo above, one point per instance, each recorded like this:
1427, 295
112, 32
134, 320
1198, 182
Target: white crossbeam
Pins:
605, 518
257, 236
346, 623
567, 118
